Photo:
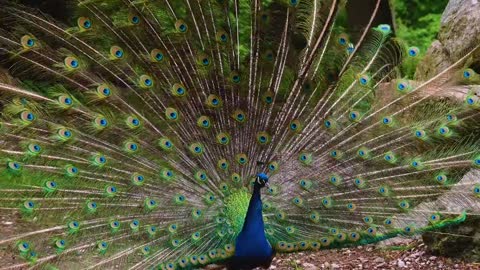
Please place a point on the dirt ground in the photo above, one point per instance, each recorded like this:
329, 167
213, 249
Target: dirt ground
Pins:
397, 254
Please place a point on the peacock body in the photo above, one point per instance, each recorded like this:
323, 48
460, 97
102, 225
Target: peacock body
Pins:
144, 135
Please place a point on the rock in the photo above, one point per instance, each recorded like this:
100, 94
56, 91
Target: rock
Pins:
401, 264
417, 254
459, 31
381, 266
309, 266
448, 244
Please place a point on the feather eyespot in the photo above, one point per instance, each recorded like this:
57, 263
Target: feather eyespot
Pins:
110, 191
100, 122
178, 90
134, 19
28, 205
34, 149
50, 186
235, 77
99, 160
385, 29
413, 51
64, 134
137, 179
268, 98
116, 52
145, 81
130, 147
73, 225
171, 114
239, 116
476, 190
150, 204
294, 3
214, 101
222, 164
157, 55
295, 126
134, 224
221, 36
204, 122
103, 91
71, 62
65, 101
263, 138
27, 117
115, 224
181, 26
84, 23
60, 244
28, 42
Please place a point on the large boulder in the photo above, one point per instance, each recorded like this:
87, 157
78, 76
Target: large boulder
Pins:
461, 240
456, 241
459, 32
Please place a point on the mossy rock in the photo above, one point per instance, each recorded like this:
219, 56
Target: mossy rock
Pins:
461, 241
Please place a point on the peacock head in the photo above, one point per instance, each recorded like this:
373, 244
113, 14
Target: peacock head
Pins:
261, 180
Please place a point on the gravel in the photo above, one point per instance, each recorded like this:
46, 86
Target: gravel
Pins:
397, 254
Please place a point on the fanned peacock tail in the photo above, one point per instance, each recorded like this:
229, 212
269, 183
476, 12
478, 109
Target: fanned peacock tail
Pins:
133, 137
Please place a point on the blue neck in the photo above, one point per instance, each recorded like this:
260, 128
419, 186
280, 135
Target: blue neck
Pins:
251, 242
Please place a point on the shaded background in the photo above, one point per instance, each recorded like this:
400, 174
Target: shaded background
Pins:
415, 21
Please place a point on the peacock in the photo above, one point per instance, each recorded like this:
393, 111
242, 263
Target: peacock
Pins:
174, 134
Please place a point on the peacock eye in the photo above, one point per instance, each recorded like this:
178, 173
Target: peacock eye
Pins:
181, 26
74, 63
135, 19
13, 165
34, 148
413, 51
27, 117
84, 23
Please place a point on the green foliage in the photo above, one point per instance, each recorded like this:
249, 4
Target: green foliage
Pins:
418, 23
